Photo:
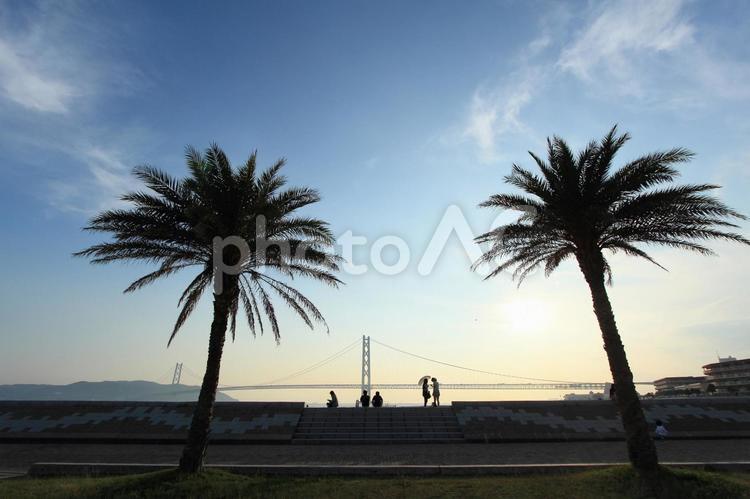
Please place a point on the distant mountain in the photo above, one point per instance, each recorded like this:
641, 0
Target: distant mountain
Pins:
107, 390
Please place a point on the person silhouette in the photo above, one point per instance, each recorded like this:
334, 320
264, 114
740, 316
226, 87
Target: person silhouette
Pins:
435, 393
365, 399
333, 401
660, 431
425, 392
377, 400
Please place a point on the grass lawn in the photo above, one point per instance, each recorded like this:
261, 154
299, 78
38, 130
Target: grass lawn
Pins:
599, 484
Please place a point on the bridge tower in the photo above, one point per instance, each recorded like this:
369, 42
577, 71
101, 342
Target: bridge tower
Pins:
177, 373
366, 381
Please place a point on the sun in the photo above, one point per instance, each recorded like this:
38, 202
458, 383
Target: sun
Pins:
525, 315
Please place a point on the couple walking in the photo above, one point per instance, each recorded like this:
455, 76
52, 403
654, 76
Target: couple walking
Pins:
435, 391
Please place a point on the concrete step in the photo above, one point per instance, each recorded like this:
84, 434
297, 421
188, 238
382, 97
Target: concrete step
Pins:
370, 441
383, 425
376, 431
389, 434
380, 427
313, 426
379, 421
334, 417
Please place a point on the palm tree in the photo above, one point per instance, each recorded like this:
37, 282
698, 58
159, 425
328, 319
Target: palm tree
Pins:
578, 208
182, 223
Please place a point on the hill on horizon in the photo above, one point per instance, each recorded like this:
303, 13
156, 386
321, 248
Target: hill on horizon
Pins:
143, 391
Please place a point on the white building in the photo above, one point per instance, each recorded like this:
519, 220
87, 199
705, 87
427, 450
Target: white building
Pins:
729, 375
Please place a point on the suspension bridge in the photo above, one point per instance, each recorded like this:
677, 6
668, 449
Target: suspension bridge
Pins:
521, 382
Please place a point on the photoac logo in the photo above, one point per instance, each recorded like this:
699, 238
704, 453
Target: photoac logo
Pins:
233, 254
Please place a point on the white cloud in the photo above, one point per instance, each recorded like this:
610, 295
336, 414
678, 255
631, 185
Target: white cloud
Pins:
57, 61
107, 169
643, 52
654, 52
718, 75
29, 86
621, 30
494, 118
538, 44
106, 178
494, 114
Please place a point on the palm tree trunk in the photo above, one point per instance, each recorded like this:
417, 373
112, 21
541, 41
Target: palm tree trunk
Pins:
197, 441
641, 449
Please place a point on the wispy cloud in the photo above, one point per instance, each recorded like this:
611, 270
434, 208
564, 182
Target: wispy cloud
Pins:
56, 64
644, 52
494, 115
42, 67
28, 86
107, 178
620, 33
652, 51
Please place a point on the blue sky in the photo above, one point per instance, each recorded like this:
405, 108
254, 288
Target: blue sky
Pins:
395, 111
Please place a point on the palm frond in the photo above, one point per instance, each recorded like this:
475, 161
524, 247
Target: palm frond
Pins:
173, 222
190, 302
167, 268
269, 310
580, 204
301, 302
160, 182
248, 306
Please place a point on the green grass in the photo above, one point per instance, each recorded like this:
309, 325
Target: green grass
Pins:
600, 484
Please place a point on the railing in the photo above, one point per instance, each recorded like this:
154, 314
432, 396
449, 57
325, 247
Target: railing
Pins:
444, 386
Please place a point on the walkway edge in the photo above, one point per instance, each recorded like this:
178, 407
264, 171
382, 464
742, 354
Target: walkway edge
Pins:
101, 469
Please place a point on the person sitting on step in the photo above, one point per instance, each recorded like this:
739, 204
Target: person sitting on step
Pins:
333, 401
365, 399
660, 431
377, 400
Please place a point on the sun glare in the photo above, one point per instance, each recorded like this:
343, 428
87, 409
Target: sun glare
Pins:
526, 315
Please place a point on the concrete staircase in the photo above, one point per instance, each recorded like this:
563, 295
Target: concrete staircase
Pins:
382, 425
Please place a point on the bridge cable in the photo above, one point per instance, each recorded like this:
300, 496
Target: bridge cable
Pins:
191, 373
323, 362
198, 377
471, 369
165, 376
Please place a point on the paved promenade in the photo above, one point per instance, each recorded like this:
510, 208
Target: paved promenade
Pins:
18, 457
